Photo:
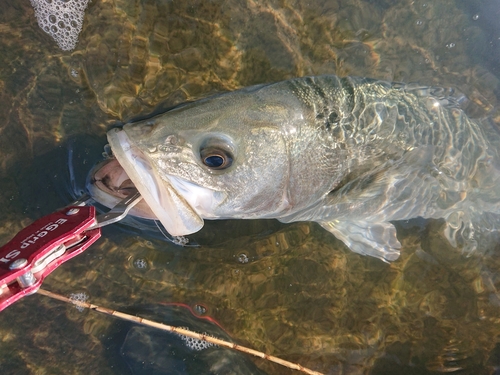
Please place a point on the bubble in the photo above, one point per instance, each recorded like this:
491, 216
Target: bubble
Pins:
55, 12
141, 263
79, 297
200, 309
475, 17
243, 258
196, 344
180, 240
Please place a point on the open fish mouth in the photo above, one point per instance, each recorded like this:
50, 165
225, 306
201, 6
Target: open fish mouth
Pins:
111, 181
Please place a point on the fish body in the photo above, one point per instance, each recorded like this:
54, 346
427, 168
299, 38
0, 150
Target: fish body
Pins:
352, 154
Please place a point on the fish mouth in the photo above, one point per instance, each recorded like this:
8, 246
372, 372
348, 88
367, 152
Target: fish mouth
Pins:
108, 184
130, 168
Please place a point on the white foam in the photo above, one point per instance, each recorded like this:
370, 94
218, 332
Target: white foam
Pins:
61, 19
196, 344
79, 297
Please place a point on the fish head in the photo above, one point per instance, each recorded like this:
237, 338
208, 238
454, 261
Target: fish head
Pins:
224, 157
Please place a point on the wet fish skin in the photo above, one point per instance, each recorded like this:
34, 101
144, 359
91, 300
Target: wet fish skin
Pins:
349, 153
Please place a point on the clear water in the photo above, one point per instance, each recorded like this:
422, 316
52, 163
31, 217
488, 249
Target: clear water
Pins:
292, 291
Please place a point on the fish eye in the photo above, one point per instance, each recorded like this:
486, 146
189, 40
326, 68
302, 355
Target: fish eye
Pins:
216, 158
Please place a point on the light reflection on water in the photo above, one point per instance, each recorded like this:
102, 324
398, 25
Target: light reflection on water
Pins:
300, 294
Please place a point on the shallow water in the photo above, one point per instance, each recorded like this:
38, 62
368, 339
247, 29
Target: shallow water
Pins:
292, 291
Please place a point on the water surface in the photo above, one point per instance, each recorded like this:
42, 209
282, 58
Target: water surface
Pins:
293, 291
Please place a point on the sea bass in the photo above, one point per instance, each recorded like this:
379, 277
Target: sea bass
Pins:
352, 154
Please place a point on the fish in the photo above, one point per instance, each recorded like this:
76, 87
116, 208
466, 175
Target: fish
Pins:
350, 153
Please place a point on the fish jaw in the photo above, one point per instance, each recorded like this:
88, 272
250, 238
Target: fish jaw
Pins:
167, 205
201, 199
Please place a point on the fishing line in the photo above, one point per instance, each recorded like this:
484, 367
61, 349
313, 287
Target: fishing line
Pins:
179, 331
71, 170
176, 240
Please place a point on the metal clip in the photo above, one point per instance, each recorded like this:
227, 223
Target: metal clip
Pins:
40, 248
50, 241
118, 212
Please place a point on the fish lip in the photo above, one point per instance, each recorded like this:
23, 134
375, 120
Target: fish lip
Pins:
162, 199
